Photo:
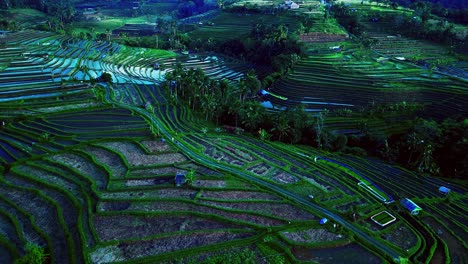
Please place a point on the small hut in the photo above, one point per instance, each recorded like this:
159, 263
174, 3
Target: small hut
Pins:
323, 221
444, 190
179, 179
411, 206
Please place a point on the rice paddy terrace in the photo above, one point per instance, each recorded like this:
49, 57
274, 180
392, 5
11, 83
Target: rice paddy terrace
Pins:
344, 75
341, 75
88, 174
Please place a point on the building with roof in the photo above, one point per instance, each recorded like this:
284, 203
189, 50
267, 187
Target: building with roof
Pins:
412, 207
323, 221
444, 190
179, 179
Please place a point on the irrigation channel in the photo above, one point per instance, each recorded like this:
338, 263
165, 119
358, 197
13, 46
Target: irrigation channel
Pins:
199, 158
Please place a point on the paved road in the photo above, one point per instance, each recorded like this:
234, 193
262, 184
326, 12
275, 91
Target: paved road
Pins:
202, 159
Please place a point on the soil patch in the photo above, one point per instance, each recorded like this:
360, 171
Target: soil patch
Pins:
458, 253
222, 156
84, 167
284, 178
352, 253
159, 193
128, 251
113, 161
121, 227
155, 171
401, 237
238, 195
137, 157
314, 37
261, 169
239, 154
281, 210
210, 183
311, 236
169, 206
155, 146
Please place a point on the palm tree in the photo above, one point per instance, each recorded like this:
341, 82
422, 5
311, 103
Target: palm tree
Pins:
243, 89
319, 127
99, 92
234, 108
190, 177
252, 84
263, 134
299, 117
252, 114
85, 70
282, 127
208, 105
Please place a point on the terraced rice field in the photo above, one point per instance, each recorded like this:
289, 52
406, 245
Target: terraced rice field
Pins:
88, 174
237, 25
343, 76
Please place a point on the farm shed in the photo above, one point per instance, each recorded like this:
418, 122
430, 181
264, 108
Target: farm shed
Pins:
179, 179
411, 206
444, 190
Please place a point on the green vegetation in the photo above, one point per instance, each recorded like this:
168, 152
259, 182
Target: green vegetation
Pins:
34, 255
94, 126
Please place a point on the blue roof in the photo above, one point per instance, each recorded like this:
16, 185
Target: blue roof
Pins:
410, 205
323, 221
179, 178
444, 189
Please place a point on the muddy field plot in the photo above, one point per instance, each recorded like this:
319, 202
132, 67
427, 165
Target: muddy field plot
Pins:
223, 157
47, 176
284, 177
128, 250
210, 183
311, 236
122, 227
281, 210
261, 169
239, 154
170, 206
84, 167
41, 212
348, 206
146, 194
238, 195
348, 253
156, 146
137, 157
401, 236
112, 160
457, 251
169, 170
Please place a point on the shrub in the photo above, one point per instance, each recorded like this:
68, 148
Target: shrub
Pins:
356, 151
34, 255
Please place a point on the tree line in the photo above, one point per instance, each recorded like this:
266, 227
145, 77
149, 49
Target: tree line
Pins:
427, 146
415, 24
63, 10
